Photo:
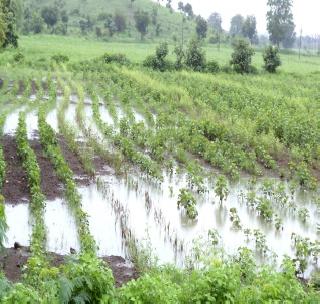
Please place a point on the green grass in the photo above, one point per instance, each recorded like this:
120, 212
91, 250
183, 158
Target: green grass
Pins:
44, 46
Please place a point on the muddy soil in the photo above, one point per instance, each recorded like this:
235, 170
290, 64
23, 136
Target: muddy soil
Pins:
51, 186
75, 165
15, 188
12, 261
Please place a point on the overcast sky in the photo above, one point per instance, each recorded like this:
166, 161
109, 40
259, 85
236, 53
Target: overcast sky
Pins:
306, 12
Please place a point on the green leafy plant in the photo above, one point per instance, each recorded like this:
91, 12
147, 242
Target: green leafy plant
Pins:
188, 202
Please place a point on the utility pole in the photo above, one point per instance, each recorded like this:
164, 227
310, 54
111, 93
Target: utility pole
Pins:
300, 43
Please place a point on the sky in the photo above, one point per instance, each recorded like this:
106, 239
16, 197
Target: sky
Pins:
306, 12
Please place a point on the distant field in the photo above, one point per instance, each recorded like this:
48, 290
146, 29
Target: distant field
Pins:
37, 47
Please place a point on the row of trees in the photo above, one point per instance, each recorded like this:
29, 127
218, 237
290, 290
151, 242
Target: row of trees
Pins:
280, 24
194, 58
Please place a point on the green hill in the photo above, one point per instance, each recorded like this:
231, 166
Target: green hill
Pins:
165, 24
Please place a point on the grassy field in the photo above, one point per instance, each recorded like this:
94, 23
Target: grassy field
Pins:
43, 47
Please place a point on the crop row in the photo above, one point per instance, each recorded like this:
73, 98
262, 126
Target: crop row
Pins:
37, 263
50, 144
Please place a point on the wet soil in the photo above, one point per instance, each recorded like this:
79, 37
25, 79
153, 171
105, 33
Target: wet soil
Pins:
15, 188
12, 261
75, 165
34, 88
51, 186
21, 87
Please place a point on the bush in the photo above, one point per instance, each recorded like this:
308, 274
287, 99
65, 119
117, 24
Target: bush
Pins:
195, 56
115, 58
242, 56
212, 67
271, 59
59, 58
158, 61
19, 57
227, 68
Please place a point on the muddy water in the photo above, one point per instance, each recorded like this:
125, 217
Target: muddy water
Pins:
152, 226
11, 122
61, 228
19, 229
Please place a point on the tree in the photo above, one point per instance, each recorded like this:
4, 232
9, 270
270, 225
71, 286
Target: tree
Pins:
109, 24
36, 25
3, 25
280, 23
271, 59
215, 22
188, 10
195, 56
249, 29
158, 61
8, 34
236, 25
201, 27
142, 21
50, 16
119, 22
242, 56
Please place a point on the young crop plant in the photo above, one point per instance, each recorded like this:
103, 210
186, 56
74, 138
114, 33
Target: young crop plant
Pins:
235, 219
221, 188
188, 202
2, 161
37, 267
3, 223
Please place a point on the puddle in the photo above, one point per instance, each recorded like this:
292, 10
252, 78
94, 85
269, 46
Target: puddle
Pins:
19, 229
61, 228
11, 122
52, 120
32, 124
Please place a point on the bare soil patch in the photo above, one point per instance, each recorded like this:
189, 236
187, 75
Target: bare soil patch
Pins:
15, 188
51, 186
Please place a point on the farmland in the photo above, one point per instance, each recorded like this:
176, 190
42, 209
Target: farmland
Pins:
112, 172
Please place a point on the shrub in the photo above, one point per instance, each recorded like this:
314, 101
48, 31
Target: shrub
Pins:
116, 58
60, 58
242, 56
158, 61
271, 59
18, 57
212, 67
195, 56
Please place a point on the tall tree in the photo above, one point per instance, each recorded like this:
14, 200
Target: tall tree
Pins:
8, 34
50, 16
249, 29
142, 21
236, 25
188, 10
215, 22
280, 23
201, 27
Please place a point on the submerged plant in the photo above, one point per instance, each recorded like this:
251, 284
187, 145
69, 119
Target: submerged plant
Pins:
188, 202
235, 219
221, 188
